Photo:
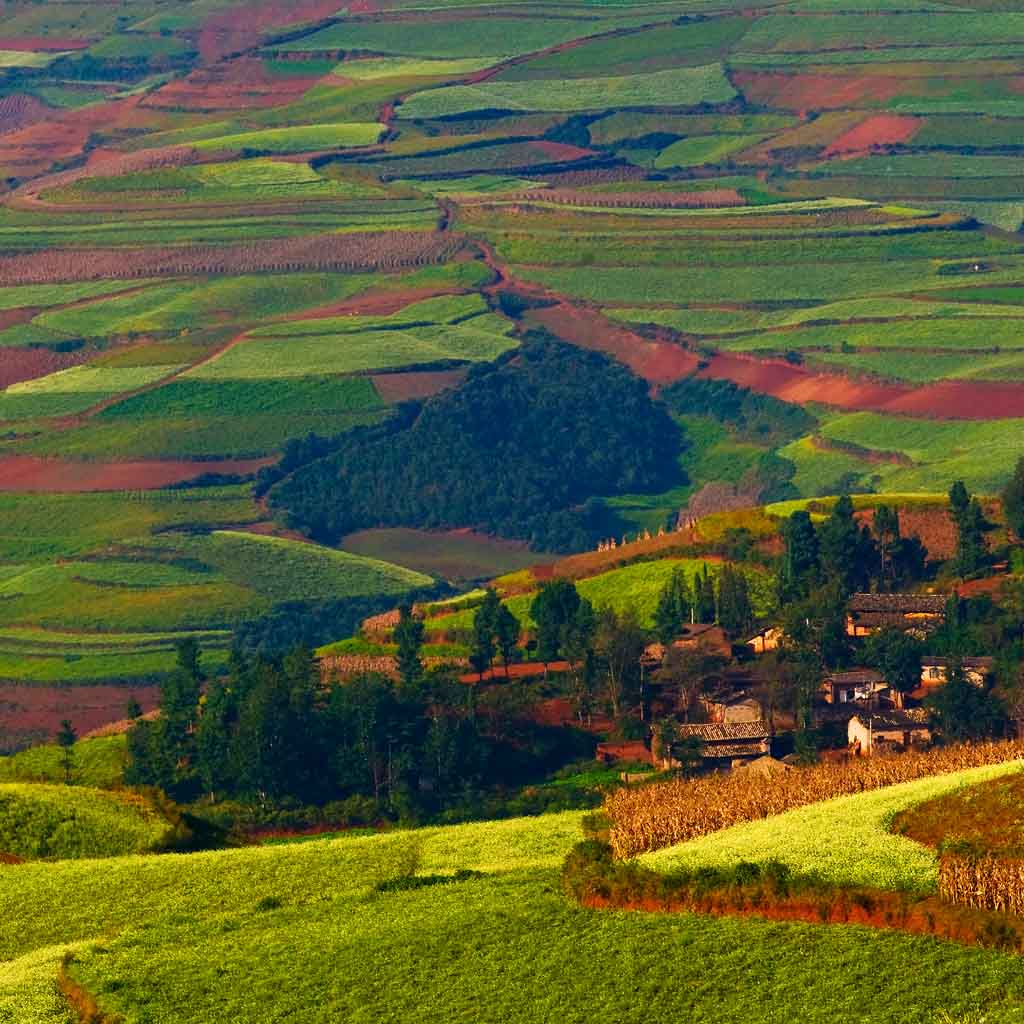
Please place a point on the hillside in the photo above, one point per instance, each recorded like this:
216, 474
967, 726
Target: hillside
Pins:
224, 226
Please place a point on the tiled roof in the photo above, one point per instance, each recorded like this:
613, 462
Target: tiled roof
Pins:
966, 662
712, 732
915, 718
855, 677
906, 604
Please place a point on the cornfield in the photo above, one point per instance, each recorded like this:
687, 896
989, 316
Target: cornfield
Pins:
986, 881
666, 813
710, 198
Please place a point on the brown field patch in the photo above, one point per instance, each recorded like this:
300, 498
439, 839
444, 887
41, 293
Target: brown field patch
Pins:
803, 92
33, 713
401, 387
233, 85
27, 473
21, 364
48, 44
879, 130
659, 362
243, 27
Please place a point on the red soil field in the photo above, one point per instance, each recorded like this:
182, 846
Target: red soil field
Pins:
20, 111
400, 387
713, 197
21, 364
562, 152
32, 712
26, 473
241, 28
376, 302
946, 400
234, 85
817, 92
522, 670
659, 362
880, 130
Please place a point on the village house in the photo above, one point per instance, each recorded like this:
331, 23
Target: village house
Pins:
887, 731
731, 709
726, 745
913, 613
935, 671
865, 687
703, 636
765, 640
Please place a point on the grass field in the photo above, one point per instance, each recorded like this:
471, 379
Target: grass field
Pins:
861, 850
98, 763
532, 950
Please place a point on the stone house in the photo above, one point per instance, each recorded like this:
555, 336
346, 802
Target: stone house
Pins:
887, 731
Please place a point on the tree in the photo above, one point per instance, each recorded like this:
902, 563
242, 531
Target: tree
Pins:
818, 624
969, 520
552, 609
213, 739
844, 547
485, 621
66, 740
734, 610
133, 709
409, 637
887, 537
959, 710
673, 609
619, 642
704, 597
800, 560
897, 656
686, 671
576, 640
506, 631
1013, 499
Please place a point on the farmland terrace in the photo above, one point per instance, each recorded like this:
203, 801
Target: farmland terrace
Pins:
226, 226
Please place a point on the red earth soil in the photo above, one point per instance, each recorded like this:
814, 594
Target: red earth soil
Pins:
401, 387
35, 712
21, 364
522, 670
558, 711
659, 362
946, 400
20, 111
817, 92
562, 151
932, 526
26, 473
234, 85
243, 27
713, 197
46, 43
880, 130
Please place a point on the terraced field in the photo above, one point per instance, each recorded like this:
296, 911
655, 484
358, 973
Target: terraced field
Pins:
224, 227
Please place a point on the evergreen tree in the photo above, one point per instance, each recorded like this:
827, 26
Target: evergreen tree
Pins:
133, 709
1013, 500
704, 597
619, 643
959, 710
800, 561
577, 644
506, 632
408, 635
213, 738
734, 610
887, 538
673, 609
552, 610
66, 740
843, 547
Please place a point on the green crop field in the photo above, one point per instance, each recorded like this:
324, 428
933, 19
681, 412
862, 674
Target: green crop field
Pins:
98, 763
860, 849
48, 822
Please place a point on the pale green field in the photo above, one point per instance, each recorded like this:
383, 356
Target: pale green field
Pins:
845, 841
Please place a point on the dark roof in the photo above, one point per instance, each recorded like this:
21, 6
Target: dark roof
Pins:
752, 748
712, 732
903, 604
907, 720
855, 677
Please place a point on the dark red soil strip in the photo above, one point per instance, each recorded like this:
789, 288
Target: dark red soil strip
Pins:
401, 387
29, 474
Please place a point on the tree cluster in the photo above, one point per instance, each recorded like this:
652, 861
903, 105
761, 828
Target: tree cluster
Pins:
523, 449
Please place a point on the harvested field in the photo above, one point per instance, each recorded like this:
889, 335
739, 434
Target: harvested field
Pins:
452, 554
801, 92
945, 400
401, 387
710, 198
242, 84
28, 474
242, 27
355, 251
24, 364
34, 712
881, 130
659, 362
